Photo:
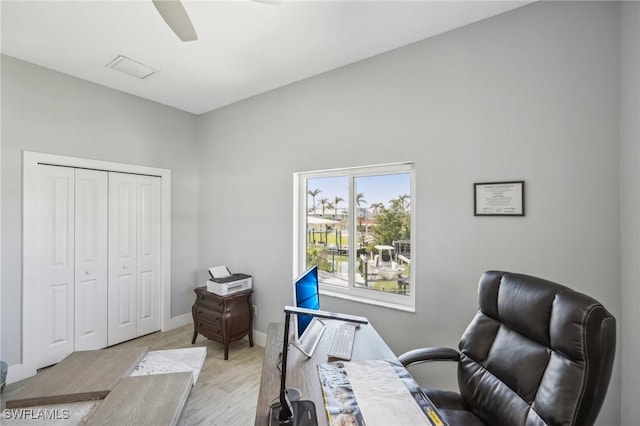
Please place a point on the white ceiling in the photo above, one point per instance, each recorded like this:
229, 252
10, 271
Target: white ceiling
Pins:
245, 47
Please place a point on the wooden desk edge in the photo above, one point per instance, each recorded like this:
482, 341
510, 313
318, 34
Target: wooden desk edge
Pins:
269, 382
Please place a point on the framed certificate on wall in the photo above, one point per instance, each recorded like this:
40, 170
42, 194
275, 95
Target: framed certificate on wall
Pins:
498, 198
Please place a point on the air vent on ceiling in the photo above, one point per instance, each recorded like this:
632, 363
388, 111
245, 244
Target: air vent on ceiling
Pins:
131, 67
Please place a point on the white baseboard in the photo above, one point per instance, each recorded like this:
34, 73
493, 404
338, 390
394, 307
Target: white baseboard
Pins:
178, 321
16, 373
259, 338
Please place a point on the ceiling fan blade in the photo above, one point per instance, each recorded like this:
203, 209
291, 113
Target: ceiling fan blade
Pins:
176, 17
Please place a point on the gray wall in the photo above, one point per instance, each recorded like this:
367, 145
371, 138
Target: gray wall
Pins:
46, 111
630, 208
532, 94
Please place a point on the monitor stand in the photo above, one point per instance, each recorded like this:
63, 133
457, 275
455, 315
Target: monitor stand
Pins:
310, 338
304, 414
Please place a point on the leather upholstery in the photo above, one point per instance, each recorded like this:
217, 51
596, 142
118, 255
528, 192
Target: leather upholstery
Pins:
535, 353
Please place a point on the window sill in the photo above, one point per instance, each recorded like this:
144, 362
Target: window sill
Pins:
381, 303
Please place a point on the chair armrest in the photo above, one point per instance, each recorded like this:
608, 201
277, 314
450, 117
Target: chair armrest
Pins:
417, 356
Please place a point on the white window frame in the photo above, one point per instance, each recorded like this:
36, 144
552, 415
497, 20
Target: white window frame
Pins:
379, 298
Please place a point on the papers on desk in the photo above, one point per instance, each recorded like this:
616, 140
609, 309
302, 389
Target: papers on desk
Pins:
373, 393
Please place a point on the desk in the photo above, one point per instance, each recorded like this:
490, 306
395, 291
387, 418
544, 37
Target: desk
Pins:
302, 372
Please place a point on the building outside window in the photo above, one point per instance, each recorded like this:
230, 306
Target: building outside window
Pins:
356, 224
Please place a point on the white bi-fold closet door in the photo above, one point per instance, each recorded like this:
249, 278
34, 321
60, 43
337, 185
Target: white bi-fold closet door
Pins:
98, 269
72, 261
134, 256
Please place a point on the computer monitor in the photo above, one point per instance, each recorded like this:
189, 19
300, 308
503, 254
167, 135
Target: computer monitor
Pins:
306, 294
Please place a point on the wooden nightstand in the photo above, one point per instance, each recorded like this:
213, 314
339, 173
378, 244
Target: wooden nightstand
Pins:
222, 318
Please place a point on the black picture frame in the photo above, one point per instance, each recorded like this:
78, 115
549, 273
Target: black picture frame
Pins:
505, 198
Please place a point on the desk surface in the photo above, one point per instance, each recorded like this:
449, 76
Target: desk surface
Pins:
302, 372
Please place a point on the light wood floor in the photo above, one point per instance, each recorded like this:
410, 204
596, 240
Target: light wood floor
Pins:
226, 393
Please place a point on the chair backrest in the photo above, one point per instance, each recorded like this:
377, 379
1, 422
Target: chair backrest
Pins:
536, 353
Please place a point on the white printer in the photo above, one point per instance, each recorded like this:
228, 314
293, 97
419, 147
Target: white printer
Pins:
224, 283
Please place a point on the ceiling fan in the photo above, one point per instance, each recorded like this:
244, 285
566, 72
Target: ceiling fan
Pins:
172, 11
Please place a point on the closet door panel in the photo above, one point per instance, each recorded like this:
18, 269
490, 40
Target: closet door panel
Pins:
125, 288
91, 259
122, 258
55, 270
148, 254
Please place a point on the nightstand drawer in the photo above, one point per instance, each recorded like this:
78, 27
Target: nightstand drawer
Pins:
209, 329
212, 302
203, 313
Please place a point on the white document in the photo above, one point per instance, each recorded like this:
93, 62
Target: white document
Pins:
383, 398
219, 272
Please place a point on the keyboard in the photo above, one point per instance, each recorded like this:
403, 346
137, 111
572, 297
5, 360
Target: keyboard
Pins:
342, 343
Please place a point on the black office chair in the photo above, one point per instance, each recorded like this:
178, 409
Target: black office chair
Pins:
536, 353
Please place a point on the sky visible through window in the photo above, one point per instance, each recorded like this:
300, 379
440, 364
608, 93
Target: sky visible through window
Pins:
375, 189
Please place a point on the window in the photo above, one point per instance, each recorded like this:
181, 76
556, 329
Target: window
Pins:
356, 224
